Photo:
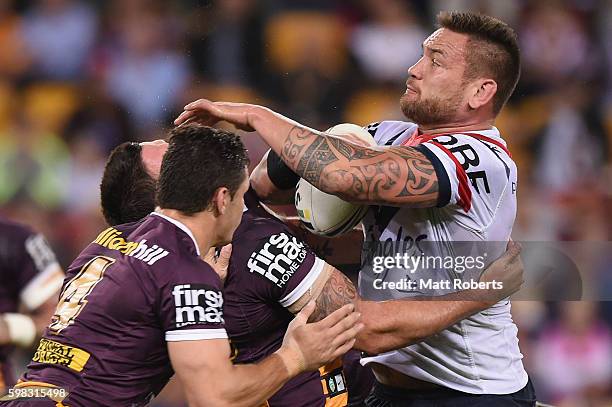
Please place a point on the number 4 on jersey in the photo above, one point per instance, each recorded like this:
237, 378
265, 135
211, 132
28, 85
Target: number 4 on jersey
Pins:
73, 297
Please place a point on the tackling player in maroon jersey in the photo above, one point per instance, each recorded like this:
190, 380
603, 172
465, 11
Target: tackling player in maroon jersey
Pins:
256, 317
140, 304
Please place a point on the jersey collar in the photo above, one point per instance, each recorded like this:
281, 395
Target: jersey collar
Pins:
181, 226
417, 137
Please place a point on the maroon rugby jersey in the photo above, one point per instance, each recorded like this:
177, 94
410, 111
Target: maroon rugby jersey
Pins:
134, 288
269, 270
26, 262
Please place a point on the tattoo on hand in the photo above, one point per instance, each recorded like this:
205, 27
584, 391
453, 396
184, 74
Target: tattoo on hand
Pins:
337, 292
393, 175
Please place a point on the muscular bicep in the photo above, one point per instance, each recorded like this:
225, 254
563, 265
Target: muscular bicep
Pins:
210, 379
331, 291
337, 292
201, 366
392, 176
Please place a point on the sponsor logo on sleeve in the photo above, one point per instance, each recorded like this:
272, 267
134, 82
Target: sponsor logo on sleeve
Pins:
197, 304
278, 258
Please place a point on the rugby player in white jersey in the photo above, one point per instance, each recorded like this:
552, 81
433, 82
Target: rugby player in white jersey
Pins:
443, 177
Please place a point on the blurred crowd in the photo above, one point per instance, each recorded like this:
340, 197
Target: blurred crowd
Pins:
79, 77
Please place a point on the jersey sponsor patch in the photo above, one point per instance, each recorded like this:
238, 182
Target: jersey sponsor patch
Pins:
334, 384
111, 239
278, 258
56, 353
197, 304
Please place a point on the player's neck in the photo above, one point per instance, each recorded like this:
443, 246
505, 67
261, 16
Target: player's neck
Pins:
456, 127
198, 224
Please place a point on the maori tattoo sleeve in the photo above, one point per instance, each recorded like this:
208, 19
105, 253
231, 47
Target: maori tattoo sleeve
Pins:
395, 175
337, 292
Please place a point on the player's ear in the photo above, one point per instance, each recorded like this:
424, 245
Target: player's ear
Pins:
483, 91
220, 200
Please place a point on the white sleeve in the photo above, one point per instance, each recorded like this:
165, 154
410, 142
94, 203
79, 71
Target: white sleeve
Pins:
304, 285
44, 286
387, 132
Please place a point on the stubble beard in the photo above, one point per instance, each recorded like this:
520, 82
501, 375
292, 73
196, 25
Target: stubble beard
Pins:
433, 111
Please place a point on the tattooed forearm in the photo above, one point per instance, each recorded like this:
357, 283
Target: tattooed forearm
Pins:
388, 175
337, 292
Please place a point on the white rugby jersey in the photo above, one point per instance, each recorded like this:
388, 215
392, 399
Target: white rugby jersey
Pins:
477, 181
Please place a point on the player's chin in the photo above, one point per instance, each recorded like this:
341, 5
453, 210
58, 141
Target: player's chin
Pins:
407, 102
408, 97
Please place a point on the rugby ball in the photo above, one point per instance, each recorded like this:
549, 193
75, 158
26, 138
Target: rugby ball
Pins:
325, 214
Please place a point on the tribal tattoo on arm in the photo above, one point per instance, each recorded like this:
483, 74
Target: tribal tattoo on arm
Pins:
395, 175
337, 292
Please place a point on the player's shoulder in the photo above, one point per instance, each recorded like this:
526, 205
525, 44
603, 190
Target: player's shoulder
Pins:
478, 161
260, 231
387, 131
137, 240
263, 239
163, 242
482, 148
487, 140
257, 225
167, 254
153, 243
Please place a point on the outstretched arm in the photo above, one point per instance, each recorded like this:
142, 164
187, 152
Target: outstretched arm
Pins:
371, 175
398, 323
400, 176
210, 379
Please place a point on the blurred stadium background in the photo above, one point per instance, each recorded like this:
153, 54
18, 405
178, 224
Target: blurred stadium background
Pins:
79, 77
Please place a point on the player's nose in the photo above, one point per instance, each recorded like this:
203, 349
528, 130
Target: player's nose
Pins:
414, 71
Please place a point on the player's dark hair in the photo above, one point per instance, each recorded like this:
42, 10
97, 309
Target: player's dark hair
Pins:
199, 160
127, 190
492, 50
